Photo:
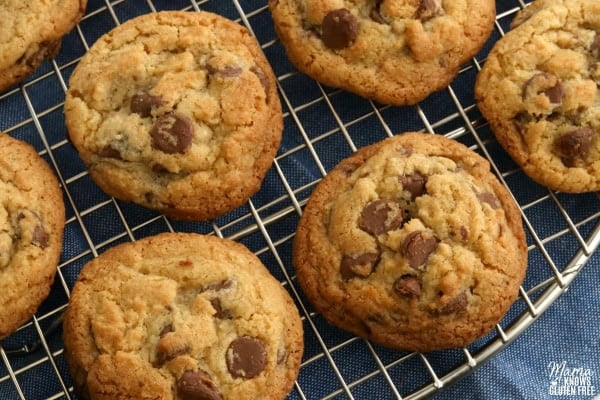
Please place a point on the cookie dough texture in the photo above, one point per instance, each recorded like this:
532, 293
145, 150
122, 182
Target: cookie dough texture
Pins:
411, 243
32, 218
539, 91
393, 51
181, 316
177, 112
31, 32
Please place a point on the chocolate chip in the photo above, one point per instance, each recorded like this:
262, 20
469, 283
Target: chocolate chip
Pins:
375, 13
197, 385
361, 266
109, 152
464, 234
417, 248
165, 354
339, 29
521, 120
456, 305
40, 237
381, 216
172, 133
166, 329
246, 357
407, 285
220, 312
595, 46
226, 71
218, 285
143, 103
489, 198
574, 144
429, 9
544, 83
414, 183
260, 74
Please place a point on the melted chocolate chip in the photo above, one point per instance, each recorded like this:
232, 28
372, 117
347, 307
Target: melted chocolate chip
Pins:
246, 357
40, 237
417, 248
489, 198
172, 133
339, 29
226, 71
574, 144
197, 385
143, 103
375, 13
220, 312
165, 354
407, 285
110, 152
381, 216
429, 9
218, 285
414, 183
456, 305
544, 83
595, 46
361, 266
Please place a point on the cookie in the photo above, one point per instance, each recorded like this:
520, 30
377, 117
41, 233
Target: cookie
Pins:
32, 219
31, 32
177, 112
412, 243
181, 316
391, 51
539, 91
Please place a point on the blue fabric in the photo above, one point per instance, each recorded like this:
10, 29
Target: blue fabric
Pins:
565, 338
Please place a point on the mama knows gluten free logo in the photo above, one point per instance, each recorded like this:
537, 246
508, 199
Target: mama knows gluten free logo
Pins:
570, 381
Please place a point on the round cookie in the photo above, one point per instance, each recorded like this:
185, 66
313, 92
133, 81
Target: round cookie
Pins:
539, 91
181, 316
31, 32
412, 243
393, 51
177, 112
32, 219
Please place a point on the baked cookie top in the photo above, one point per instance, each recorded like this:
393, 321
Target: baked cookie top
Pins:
176, 111
181, 316
413, 243
392, 51
32, 218
539, 91
30, 32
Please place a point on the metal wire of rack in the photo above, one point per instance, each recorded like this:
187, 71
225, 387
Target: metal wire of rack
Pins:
322, 126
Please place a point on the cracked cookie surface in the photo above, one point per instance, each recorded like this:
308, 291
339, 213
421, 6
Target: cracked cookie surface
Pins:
392, 51
539, 91
31, 32
412, 243
32, 218
181, 316
177, 112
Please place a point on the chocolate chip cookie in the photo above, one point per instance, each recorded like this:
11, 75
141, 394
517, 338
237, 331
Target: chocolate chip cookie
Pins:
31, 32
181, 316
539, 91
412, 243
177, 112
393, 51
32, 219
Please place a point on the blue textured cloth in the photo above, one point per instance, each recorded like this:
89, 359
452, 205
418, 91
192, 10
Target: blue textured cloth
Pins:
560, 351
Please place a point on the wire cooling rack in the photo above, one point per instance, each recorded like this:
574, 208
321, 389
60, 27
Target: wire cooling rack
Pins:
322, 126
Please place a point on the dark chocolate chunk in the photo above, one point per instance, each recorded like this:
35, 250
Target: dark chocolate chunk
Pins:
456, 305
197, 385
40, 237
339, 29
489, 198
110, 152
414, 183
361, 266
429, 9
574, 144
246, 357
417, 248
375, 13
407, 285
226, 71
544, 83
381, 216
220, 312
143, 103
172, 133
